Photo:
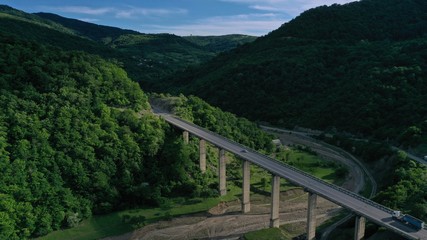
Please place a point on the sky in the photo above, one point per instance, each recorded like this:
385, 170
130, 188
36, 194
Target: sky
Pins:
179, 17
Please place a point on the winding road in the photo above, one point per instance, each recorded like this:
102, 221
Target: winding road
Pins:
357, 171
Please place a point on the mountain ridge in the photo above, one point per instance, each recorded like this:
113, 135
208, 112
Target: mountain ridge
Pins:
356, 85
146, 57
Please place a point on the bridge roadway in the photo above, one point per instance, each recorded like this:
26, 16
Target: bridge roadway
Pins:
354, 202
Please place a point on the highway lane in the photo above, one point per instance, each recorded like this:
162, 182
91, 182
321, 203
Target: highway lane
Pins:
411, 156
358, 204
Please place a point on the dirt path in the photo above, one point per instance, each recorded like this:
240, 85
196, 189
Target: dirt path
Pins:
226, 219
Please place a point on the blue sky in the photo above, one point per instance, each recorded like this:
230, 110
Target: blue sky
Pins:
180, 17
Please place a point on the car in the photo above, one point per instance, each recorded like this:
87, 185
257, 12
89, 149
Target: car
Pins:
244, 151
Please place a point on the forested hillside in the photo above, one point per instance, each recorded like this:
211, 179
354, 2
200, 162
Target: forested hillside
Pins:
328, 68
71, 142
146, 57
219, 44
227, 124
78, 137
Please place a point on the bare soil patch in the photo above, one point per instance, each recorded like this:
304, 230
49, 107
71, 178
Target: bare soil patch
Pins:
225, 219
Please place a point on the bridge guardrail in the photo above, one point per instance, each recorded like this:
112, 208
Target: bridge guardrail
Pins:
345, 191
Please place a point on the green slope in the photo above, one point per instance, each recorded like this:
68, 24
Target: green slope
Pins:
372, 86
77, 137
362, 20
85, 29
221, 43
146, 57
66, 147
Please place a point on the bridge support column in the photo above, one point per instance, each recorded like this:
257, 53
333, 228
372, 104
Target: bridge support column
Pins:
359, 229
222, 176
275, 204
246, 205
311, 216
185, 135
202, 151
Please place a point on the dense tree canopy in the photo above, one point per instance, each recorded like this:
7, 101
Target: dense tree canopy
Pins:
408, 190
364, 85
227, 124
67, 148
77, 137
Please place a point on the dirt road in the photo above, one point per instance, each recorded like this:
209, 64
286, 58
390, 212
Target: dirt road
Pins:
226, 220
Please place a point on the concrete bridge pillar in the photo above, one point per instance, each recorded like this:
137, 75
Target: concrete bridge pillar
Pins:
202, 151
311, 216
246, 188
222, 176
275, 204
185, 135
359, 229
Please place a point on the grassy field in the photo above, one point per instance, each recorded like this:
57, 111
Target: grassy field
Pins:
266, 234
124, 221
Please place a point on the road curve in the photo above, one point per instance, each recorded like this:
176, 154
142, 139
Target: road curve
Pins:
357, 169
349, 200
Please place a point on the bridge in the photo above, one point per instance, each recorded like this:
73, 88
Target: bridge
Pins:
362, 207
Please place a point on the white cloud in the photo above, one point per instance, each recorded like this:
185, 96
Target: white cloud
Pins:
290, 7
89, 19
125, 12
133, 12
83, 10
251, 24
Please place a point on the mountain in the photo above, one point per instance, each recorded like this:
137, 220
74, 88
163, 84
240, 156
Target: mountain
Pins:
363, 20
146, 57
106, 34
77, 137
359, 67
31, 27
85, 29
220, 43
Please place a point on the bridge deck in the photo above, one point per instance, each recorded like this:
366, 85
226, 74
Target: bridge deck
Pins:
354, 202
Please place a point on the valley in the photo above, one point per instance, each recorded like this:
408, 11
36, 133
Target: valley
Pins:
84, 154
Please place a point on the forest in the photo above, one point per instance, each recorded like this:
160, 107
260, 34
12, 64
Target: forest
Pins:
78, 138
300, 76
145, 57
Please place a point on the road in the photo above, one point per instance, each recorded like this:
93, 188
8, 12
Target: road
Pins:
357, 171
349, 200
411, 156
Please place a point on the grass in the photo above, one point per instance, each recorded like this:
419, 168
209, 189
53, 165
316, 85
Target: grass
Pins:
266, 234
125, 221
114, 224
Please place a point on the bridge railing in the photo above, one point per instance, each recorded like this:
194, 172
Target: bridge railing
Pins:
345, 191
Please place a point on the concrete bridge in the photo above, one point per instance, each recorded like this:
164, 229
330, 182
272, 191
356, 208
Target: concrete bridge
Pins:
362, 207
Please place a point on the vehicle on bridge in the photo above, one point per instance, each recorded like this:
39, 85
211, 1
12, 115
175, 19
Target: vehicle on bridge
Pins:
408, 219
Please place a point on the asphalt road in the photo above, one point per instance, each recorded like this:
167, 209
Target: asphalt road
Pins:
358, 204
411, 156
357, 170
